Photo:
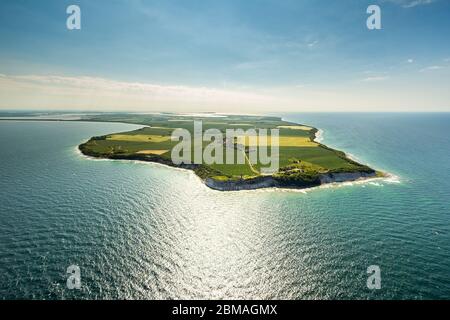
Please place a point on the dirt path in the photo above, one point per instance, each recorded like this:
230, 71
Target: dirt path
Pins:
250, 164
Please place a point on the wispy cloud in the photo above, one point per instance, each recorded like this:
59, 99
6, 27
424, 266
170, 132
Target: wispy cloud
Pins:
375, 78
94, 83
105, 92
416, 3
313, 44
430, 68
411, 3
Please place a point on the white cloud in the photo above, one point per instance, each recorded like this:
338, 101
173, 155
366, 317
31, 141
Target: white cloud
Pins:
101, 92
415, 3
313, 44
106, 85
375, 78
411, 3
410, 60
430, 68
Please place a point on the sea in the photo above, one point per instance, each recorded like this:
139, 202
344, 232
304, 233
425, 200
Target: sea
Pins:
137, 230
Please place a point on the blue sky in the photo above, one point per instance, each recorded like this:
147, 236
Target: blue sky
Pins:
260, 55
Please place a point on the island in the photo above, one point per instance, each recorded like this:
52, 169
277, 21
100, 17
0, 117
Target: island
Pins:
303, 161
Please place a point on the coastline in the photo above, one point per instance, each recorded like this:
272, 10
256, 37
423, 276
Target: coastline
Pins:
261, 182
361, 181
387, 176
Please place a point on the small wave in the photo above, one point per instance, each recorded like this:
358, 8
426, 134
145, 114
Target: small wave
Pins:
319, 136
389, 178
352, 157
392, 178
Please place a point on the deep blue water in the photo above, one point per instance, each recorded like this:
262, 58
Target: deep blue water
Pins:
141, 230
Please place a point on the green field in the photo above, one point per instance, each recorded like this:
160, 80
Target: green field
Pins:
300, 157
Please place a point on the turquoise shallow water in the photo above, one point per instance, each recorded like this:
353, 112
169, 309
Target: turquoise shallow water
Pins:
145, 231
